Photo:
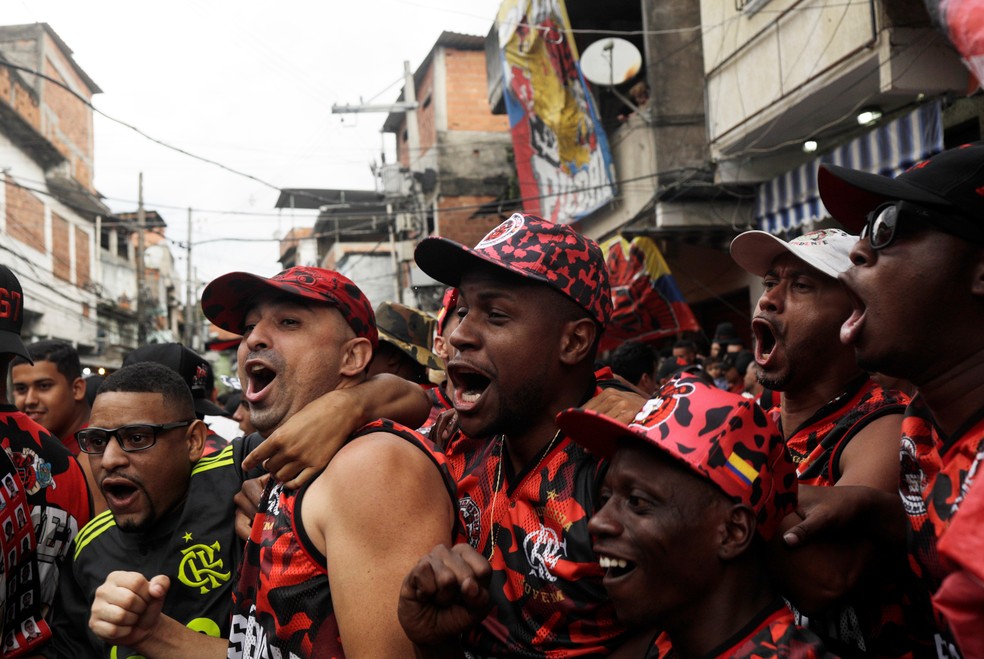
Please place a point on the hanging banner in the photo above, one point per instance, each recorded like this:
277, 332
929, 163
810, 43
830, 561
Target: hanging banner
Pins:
563, 161
648, 305
962, 21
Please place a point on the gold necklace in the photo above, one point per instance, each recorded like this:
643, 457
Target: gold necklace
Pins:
497, 485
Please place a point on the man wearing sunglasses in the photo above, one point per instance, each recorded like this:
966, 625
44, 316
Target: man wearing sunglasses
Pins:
918, 291
170, 510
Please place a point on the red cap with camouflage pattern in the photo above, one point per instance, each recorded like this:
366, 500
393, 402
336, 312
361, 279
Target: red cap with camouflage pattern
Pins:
531, 247
226, 299
719, 436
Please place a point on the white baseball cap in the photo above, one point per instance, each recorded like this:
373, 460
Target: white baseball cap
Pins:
827, 250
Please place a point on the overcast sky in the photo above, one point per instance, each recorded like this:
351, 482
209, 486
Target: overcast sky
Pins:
246, 83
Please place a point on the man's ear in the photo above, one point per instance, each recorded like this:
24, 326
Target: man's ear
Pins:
196, 434
78, 389
356, 355
577, 340
738, 532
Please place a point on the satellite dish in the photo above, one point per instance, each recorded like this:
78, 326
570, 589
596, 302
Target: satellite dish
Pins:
611, 61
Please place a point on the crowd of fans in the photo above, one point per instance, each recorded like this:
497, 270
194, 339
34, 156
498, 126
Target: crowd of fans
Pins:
485, 484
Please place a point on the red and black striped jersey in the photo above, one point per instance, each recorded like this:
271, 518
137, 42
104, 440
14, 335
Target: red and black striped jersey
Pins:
936, 472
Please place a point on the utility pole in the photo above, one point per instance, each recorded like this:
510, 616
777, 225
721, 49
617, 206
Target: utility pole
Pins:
141, 284
190, 305
408, 106
413, 130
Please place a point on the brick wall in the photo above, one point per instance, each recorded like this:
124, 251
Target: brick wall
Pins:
18, 97
83, 274
70, 127
25, 216
468, 105
426, 116
459, 225
61, 255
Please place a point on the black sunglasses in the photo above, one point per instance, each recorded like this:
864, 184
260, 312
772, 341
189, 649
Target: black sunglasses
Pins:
133, 437
883, 222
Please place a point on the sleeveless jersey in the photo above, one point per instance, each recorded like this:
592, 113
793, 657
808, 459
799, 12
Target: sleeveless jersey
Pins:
817, 445
872, 623
282, 604
547, 592
42, 506
195, 545
936, 473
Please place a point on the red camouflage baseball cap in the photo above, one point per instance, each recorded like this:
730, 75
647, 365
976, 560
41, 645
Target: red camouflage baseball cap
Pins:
721, 437
531, 247
226, 299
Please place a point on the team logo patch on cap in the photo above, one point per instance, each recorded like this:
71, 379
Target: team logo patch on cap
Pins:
503, 232
659, 409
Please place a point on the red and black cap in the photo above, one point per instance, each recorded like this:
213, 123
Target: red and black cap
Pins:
951, 181
12, 314
448, 304
719, 436
533, 248
226, 299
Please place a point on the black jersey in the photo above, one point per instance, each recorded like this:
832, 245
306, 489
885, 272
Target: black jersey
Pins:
195, 546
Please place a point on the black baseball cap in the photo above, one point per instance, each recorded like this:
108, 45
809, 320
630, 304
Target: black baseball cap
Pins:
12, 314
192, 367
951, 182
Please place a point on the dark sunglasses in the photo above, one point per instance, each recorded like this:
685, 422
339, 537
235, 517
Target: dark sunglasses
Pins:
134, 437
883, 222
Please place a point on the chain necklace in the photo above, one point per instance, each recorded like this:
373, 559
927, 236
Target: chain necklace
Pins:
497, 485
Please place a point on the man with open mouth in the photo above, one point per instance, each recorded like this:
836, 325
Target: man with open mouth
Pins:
918, 291
840, 427
170, 510
324, 563
698, 483
533, 299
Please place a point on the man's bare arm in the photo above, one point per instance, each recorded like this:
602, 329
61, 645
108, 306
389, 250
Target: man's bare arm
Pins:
379, 506
304, 445
840, 533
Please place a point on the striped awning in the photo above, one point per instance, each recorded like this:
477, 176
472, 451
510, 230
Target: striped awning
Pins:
788, 201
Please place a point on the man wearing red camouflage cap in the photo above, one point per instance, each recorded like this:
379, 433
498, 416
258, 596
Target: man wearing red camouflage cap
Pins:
533, 299
697, 484
323, 564
918, 290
